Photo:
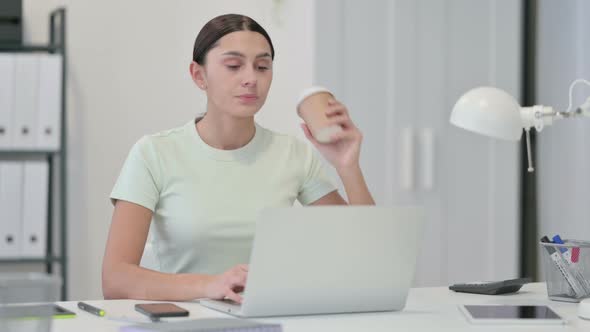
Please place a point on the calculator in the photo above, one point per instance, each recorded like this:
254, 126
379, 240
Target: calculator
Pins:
491, 287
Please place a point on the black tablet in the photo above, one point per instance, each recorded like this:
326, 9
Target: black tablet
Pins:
511, 314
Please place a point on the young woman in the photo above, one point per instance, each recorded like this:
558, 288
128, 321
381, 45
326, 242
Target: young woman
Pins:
199, 187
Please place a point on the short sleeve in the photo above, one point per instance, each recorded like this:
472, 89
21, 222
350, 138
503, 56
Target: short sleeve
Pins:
316, 184
139, 180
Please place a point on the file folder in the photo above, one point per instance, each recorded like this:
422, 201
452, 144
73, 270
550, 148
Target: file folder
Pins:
49, 109
34, 209
11, 177
26, 101
6, 99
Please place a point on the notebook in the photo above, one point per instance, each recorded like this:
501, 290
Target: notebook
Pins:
33, 311
205, 325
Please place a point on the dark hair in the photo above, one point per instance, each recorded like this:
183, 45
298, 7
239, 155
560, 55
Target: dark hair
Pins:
221, 26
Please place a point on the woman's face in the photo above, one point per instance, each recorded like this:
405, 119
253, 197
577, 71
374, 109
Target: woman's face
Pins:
237, 73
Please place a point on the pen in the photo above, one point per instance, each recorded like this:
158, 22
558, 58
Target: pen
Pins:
93, 310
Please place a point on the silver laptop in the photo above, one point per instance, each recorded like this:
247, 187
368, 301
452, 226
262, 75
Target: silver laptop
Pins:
329, 259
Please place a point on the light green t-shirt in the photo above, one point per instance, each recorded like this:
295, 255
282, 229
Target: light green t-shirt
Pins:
205, 201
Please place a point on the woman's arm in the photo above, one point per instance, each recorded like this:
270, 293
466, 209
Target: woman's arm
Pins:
355, 186
122, 277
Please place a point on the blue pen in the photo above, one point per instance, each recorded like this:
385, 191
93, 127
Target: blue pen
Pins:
557, 239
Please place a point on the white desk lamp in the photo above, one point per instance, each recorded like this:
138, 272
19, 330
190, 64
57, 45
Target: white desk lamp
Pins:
495, 113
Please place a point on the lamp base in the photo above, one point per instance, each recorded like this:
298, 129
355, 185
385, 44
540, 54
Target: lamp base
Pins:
584, 309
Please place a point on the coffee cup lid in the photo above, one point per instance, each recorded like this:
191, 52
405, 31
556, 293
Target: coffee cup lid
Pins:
310, 91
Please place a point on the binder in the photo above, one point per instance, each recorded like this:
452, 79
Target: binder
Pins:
49, 107
26, 100
7, 72
206, 325
11, 177
34, 209
11, 8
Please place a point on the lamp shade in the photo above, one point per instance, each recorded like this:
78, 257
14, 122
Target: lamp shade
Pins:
489, 111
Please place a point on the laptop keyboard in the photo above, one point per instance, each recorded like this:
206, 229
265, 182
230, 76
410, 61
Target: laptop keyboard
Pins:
228, 301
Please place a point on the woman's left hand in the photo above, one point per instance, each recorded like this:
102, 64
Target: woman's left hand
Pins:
344, 150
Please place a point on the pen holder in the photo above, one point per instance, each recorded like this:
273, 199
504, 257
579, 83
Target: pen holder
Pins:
567, 270
19, 288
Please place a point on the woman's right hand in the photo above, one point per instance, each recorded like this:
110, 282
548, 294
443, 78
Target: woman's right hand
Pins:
228, 284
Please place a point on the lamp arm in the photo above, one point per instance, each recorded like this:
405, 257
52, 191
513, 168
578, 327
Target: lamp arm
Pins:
587, 103
582, 110
539, 116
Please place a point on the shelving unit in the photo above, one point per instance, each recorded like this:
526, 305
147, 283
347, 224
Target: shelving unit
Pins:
56, 253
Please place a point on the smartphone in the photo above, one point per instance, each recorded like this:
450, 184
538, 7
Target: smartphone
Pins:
158, 310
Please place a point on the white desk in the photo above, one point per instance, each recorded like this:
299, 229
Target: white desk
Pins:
427, 309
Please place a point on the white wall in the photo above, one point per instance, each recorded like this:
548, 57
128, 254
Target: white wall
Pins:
128, 76
563, 159
400, 65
